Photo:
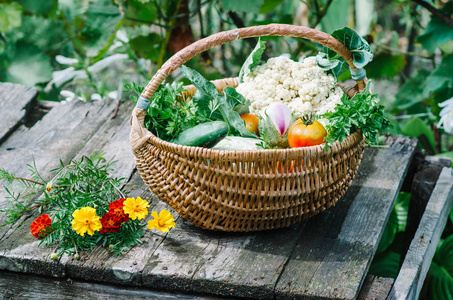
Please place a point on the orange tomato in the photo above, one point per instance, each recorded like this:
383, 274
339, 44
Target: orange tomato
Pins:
306, 132
251, 122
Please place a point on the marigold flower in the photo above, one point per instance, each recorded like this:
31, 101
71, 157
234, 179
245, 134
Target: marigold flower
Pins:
117, 208
110, 223
163, 222
86, 220
48, 187
41, 226
136, 208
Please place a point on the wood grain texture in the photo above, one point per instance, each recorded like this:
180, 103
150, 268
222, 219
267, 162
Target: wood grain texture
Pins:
233, 264
19, 286
421, 251
335, 249
15, 103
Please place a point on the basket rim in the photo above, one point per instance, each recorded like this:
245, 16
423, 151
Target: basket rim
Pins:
287, 153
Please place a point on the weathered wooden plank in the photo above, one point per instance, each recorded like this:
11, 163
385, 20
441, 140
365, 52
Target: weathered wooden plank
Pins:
243, 265
335, 249
112, 139
423, 184
61, 134
421, 251
15, 103
375, 288
19, 286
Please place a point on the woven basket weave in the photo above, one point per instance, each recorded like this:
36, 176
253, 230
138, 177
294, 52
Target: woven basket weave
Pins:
252, 189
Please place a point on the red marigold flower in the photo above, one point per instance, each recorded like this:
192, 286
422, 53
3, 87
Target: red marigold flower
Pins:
116, 207
110, 223
41, 226
117, 204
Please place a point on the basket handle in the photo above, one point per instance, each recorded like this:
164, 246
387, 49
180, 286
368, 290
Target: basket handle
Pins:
182, 56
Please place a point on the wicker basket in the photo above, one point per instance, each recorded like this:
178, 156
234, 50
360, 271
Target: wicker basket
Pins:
244, 190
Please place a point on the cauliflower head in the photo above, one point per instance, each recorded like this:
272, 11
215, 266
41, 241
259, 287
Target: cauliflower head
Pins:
303, 86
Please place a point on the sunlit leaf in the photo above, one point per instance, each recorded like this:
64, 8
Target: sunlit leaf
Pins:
411, 92
28, 66
441, 77
140, 11
147, 46
269, 5
437, 32
38, 7
336, 16
416, 127
10, 16
386, 65
241, 5
101, 23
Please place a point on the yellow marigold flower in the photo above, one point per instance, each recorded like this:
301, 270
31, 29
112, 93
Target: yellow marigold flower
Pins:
48, 187
86, 220
163, 222
136, 208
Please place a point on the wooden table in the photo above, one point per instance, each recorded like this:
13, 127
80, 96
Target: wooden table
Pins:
325, 257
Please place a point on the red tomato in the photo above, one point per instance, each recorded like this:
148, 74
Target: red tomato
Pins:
306, 132
251, 122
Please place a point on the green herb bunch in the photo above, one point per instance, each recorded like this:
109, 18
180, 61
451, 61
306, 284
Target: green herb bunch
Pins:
360, 112
83, 183
168, 113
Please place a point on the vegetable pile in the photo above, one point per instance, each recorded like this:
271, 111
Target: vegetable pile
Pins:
278, 104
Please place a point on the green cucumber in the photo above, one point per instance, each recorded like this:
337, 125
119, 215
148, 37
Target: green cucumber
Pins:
205, 135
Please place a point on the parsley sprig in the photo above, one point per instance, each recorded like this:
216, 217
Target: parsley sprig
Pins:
168, 114
361, 112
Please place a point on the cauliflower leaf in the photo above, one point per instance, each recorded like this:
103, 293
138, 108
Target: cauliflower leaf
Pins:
359, 47
253, 59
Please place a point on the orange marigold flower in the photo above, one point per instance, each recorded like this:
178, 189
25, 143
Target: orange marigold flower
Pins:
41, 226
